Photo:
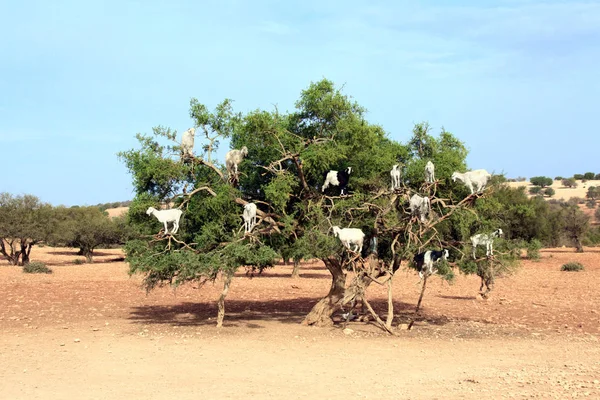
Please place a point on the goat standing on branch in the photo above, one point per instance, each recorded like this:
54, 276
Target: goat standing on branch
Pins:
337, 178
478, 177
429, 172
187, 144
165, 216
420, 206
424, 261
487, 240
233, 158
249, 216
395, 175
350, 236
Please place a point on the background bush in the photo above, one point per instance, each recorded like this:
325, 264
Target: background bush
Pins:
535, 190
572, 266
36, 267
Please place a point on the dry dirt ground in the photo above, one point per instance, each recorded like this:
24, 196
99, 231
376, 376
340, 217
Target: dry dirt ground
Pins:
91, 332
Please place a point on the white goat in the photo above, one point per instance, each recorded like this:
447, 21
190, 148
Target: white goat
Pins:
233, 158
350, 236
165, 216
478, 177
249, 216
187, 143
429, 172
395, 175
487, 240
420, 206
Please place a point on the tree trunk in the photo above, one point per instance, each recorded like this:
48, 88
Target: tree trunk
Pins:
296, 270
221, 302
25, 252
321, 313
11, 255
578, 245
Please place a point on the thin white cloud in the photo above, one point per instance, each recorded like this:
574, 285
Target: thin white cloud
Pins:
276, 28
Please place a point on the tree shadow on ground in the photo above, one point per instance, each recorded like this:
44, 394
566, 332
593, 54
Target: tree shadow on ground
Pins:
83, 263
75, 253
265, 274
247, 313
441, 296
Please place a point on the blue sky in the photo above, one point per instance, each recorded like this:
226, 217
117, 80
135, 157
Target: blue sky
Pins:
518, 81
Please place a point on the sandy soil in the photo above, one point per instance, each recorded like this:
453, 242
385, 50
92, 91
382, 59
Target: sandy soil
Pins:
117, 212
91, 332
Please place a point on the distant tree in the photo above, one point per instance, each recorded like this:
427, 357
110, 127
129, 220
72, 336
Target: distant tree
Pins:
590, 203
558, 178
578, 176
576, 225
549, 192
24, 222
521, 179
535, 190
570, 183
87, 228
597, 177
593, 193
588, 175
541, 181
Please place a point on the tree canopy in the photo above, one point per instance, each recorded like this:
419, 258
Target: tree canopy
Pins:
288, 156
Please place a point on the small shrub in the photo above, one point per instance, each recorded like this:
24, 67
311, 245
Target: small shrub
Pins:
521, 179
572, 266
78, 261
549, 192
535, 190
533, 249
576, 200
597, 177
578, 176
590, 203
597, 214
570, 183
36, 267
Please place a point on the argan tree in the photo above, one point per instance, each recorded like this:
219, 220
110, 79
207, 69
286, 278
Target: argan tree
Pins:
541, 181
24, 222
288, 156
87, 228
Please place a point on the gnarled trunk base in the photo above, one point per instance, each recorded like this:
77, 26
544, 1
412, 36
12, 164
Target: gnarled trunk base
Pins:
321, 313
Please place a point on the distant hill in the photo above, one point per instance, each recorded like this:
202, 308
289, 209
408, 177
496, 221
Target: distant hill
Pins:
562, 192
